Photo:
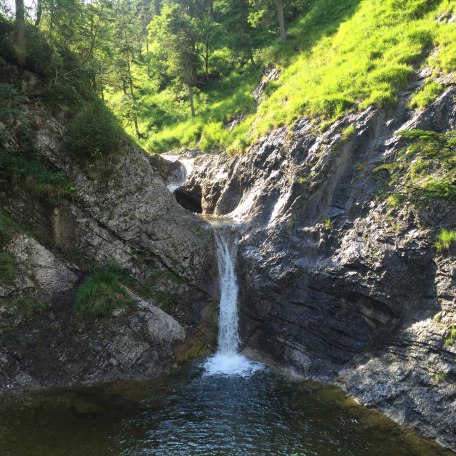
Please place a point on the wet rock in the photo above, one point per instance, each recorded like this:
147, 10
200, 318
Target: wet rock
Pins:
335, 284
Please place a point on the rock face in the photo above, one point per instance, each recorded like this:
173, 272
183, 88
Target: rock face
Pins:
56, 349
336, 284
121, 211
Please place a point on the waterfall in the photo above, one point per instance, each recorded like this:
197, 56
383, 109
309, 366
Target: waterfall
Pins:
181, 173
227, 360
228, 338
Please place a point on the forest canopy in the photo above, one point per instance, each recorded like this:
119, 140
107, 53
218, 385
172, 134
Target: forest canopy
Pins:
180, 73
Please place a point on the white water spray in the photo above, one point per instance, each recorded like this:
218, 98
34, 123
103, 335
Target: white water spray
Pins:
227, 360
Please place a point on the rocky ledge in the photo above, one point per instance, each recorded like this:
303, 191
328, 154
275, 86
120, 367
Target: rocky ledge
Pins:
337, 284
120, 212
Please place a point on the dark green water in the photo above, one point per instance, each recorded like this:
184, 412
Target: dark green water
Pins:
187, 413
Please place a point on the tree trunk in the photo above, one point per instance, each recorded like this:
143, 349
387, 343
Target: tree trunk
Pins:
132, 93
21, 43
39, 12
283, 34
211, 9
190, 97
206, 61
51, 17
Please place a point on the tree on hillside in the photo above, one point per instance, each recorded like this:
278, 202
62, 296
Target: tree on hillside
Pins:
21, 43
176, 35
238, 31
282, 32
263, 9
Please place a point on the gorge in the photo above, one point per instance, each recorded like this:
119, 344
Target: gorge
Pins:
213, 241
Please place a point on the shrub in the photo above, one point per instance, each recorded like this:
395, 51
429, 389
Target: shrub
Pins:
102, 293
450, 337
445, 239
8, 268
93, 132
426, 95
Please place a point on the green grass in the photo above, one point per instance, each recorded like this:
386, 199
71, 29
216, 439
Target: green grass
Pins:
29, 171
341, 57
102, 293
23, 309
8, 268
424, 170
426, 95
348, 133
440, 377
445, 239
7, 227
450, 337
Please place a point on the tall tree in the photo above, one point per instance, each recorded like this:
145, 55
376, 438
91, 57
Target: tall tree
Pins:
176, 34
282, 32
262, 10
21, 41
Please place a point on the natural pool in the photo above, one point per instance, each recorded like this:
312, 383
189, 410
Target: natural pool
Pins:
190, 413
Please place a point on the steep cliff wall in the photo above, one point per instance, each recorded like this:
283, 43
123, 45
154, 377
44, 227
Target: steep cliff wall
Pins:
337, 283
118, 211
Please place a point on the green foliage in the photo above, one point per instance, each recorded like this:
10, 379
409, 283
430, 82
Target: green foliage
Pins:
444, 239
348, 133
10, 104
21, 309
103, 292
440, 377
94, 132
152, 60
426, 95
18, 160
34, 174
65, 78
425, 169
7, 227
340, 56
450, 337
8, 268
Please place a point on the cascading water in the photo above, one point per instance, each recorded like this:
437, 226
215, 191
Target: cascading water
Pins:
227, 360
228, 339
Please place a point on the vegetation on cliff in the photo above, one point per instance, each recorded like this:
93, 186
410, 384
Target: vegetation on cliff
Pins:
339, 57
182, 72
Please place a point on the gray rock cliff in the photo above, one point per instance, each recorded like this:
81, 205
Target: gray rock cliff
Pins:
336, 284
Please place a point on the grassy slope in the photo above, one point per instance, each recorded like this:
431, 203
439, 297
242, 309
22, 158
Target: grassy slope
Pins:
341, 56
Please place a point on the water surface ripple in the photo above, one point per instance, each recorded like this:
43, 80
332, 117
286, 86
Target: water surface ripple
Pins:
189, 413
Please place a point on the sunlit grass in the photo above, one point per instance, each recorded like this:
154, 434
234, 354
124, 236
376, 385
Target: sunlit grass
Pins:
445, 239
341, 57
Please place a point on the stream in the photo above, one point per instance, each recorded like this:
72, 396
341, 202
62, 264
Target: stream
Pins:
192, 413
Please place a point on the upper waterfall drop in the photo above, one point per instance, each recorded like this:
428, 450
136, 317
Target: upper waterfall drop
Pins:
227, 360
180, 174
